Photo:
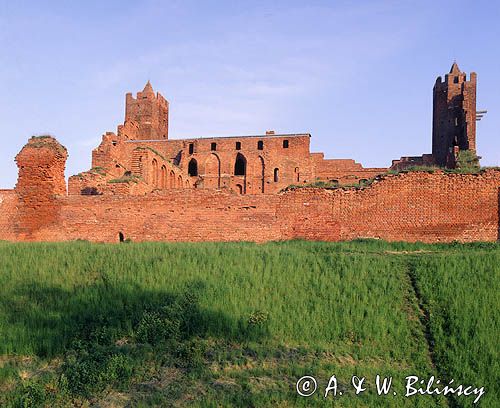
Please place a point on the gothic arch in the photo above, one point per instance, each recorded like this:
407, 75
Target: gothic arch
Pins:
193, 167
212, 171
154, 164
163, 176
240, 165
171, 179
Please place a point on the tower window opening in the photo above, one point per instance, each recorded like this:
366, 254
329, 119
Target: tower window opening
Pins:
455, 80
260, 145
276, 175
191, 148
213, 146
285, 144
238, 145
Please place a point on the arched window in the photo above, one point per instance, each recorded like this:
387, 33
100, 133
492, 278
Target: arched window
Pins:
155, 173
121, 237
276, 175
172, 179
163, 175
193, 167
179, 182
239, 188
240, 165
260, 145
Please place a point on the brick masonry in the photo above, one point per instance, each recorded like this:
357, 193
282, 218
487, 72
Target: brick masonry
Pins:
415, 206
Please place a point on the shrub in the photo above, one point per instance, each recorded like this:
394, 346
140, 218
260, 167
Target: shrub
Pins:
155, 328
91, 370
32, 394
467, 161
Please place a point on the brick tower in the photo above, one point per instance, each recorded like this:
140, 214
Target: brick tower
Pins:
454, 115
146, 115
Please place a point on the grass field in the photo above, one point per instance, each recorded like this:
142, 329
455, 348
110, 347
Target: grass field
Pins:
237, 324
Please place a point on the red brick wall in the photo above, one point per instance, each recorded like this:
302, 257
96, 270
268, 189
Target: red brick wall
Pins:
8, 210
416, 206
40, 181
172, 215
343, 170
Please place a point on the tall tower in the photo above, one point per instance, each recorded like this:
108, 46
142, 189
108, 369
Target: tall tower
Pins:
146, 117
454, 115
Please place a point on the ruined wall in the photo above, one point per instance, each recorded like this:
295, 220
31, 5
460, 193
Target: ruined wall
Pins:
265, 156
145, 170
416, 206
8, 210
272, 162
182, 215
342, 170
40, 181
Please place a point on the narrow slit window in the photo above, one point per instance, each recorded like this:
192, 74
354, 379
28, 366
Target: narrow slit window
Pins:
238, 145
260, 145
191, 148
285, 144
213, 147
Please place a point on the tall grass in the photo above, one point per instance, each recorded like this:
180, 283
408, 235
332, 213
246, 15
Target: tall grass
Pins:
280, 310
314, 294
461, 291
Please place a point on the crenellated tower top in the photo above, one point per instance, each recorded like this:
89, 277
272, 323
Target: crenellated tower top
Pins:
146, 116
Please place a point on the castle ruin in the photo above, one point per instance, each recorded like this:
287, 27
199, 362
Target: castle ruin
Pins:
145, 186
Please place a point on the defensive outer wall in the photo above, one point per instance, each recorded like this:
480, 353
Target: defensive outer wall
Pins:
413, 206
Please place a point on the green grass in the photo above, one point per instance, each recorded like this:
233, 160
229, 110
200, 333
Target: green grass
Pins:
461, 292
237, 324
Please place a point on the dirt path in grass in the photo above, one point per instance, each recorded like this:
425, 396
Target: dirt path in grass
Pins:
423, 316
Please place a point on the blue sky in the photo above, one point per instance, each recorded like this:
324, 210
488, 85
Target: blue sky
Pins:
357, 75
